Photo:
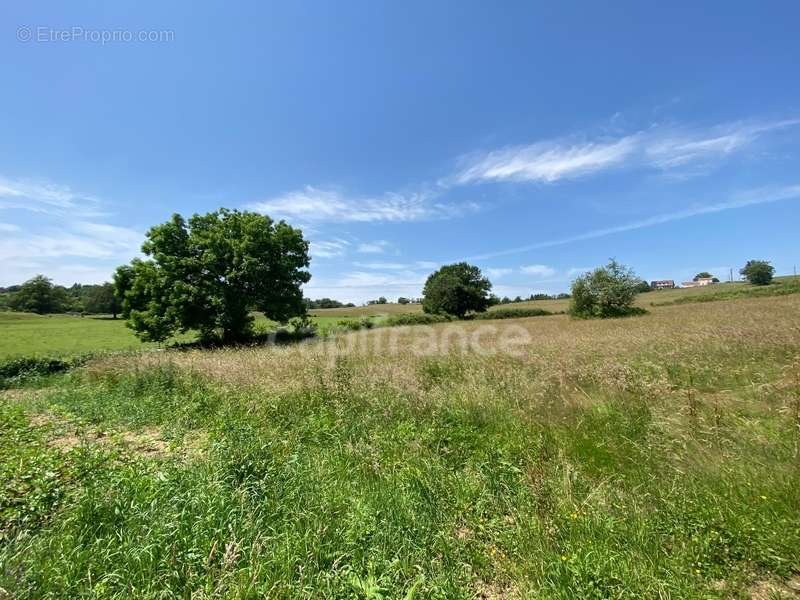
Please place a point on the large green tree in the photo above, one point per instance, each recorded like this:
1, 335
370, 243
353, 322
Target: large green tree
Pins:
39, 295
207, 274
758, 272
456, 290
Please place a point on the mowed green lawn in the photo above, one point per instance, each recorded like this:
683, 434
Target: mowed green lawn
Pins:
28, 334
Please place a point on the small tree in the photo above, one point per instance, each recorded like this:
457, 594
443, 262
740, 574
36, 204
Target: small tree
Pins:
456, 290
703, 275
207, 274
758, 272
607, 291
39, 295
403, 300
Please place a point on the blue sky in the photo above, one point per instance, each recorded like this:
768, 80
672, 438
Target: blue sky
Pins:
533, 139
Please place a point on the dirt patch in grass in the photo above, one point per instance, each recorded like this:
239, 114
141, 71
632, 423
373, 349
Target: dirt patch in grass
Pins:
771, 589
496, 591
150, 442
15, 395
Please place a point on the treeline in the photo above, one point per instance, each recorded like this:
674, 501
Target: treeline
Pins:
400, 300
507, 300
325, 303
41, 296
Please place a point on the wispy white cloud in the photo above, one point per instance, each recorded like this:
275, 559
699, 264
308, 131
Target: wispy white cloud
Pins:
498, 272
540, 271
328, 248
67, 239
575, 271
360, 286
316, 204
663, 147
545, 161
82, 251
84, 240
743, 200
677, 148
372, 279
340, 246
376, 247
419, 265
389, 266
427, 264
45, 197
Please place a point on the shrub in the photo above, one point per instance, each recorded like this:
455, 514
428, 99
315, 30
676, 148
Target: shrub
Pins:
758, 272
355, 325
511, 313
23, 367
416, 319
606, 292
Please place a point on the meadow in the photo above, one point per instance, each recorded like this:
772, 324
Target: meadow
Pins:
648, 457
24, 334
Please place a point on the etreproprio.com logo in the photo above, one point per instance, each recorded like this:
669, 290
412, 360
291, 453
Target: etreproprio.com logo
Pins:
42, 34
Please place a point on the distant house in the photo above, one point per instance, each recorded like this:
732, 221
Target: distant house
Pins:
702, 281
663, 284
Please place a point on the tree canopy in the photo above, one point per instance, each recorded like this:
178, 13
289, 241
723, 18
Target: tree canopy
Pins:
207, 274
456, 290
102, 299
607, 291
758, 272
39, 295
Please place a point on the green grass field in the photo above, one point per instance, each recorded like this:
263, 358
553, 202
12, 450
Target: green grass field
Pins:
23, 334
647, 457
29, 334
716, 292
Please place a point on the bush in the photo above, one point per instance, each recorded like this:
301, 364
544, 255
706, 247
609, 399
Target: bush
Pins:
606, 292
511, 313
758, 272
356, 325
416, 319
20, 368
